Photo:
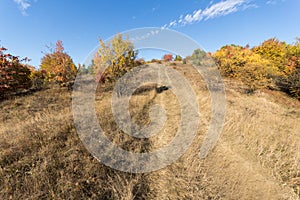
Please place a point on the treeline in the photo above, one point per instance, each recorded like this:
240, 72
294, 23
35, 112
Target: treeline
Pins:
17, 76
273, 65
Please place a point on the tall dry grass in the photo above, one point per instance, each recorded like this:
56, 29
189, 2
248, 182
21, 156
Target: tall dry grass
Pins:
257, 156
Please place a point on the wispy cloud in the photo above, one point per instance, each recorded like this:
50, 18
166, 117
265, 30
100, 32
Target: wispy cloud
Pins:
273, 2
23, 6
212, 11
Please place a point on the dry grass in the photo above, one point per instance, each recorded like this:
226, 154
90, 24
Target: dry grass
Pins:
257, 156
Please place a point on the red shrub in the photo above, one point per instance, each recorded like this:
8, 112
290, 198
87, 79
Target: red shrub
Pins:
168, 57
13, 74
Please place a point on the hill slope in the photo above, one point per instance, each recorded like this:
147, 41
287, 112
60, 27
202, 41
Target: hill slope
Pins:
257, 156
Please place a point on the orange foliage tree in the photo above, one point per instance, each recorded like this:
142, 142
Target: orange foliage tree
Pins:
58, 65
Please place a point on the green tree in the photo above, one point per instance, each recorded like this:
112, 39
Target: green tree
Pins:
198, 56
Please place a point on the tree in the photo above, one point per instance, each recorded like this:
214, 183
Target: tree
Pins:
58, 65
13, 74
197, 56
114, 59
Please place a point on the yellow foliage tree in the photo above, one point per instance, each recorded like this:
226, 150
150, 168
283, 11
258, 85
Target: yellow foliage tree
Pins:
113, 59
58, 65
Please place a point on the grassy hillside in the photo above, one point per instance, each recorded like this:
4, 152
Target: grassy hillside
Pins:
257, 156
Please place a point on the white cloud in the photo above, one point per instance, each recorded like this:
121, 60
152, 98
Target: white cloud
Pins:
273, 2
222, 8
173, 23
23, 6
214, 10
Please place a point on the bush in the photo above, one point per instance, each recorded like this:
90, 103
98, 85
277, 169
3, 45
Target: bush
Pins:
254, 76
245, 65
294, 83
140, 61
13, 74
156, 61
168, 57
38, 79
290, 84
58, 65
276, 53
178, 58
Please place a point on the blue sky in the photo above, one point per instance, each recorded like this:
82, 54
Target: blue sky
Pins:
29, 25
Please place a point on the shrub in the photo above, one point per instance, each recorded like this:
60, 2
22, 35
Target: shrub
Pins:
178, 58
38, 79
156, 61
140, 61
168, 57
276, 53
13, 74
254, 76
58, 65
291, 83
245, 65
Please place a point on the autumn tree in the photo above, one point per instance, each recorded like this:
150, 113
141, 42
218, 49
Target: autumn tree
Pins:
113, 59
13, 74
58, 65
